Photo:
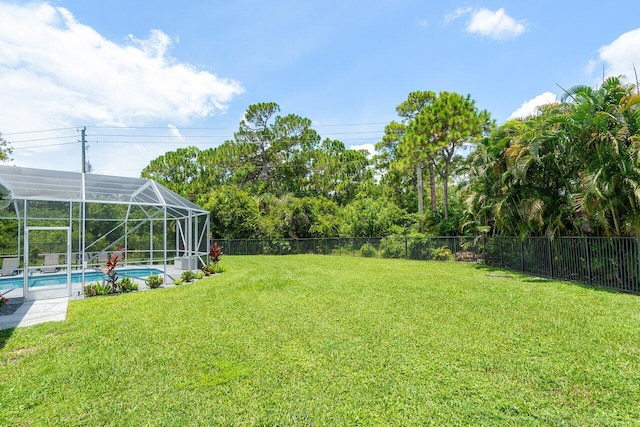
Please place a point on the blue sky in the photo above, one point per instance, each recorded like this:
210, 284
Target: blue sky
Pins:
147, 77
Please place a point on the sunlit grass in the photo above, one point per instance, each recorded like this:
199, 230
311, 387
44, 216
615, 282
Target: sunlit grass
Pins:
320, 340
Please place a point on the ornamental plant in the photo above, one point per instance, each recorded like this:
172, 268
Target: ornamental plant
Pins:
188, 276
215, 253
110, 270
154, 281
3, 300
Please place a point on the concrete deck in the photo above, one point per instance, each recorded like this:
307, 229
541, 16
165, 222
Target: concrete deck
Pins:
34, 312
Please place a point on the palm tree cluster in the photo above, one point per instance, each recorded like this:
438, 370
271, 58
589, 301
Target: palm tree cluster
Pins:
571, 169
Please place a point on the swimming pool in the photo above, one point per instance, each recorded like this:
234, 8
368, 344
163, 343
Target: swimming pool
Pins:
55, 279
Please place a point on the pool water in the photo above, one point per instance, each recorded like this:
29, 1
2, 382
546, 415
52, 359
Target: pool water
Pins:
55, 279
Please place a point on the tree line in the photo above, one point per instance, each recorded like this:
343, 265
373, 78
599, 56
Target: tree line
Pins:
570, 169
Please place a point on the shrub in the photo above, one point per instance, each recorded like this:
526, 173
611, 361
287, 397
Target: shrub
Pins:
443, 253
392, 247
420, 248
368, 250
208, 269
154, 282
188, 276
198, 276
3, 300
96, 288
127, 285
177, 282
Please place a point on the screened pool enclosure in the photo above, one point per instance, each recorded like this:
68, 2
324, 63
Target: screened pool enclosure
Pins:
64, 225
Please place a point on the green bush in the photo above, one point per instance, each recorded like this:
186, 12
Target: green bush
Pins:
419, 248
443, 253
198, 276
96, 288
154, 282
178, 282
392, 247
127, 285
188, 276
368, 250
219, 268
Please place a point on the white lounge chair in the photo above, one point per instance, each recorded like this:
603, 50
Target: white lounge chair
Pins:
51, 262
10, 267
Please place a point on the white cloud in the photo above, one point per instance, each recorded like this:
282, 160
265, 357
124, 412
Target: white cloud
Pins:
175, 132
457, 14
530, 107
370, 148
56, 72
494, 24
622, 54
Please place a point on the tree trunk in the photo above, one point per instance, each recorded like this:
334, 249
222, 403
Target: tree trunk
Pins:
432, 185
420, 189
445, 190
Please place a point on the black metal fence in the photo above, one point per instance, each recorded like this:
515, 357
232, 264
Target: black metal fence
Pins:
612, 263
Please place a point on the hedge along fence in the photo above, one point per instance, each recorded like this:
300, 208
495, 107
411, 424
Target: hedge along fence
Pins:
612, 263
417, 248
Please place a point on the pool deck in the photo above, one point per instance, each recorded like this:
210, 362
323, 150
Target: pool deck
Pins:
34, 312
51, 310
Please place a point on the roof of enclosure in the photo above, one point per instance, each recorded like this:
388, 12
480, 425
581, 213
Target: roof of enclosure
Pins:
20, 183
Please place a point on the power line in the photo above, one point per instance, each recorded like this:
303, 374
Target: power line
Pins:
43, 146
38, 131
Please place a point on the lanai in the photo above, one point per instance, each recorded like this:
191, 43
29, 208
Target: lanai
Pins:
81, 217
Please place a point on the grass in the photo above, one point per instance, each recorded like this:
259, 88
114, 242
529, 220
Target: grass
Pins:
321, 340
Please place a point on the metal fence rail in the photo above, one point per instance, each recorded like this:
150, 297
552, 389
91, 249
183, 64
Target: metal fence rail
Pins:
607, 262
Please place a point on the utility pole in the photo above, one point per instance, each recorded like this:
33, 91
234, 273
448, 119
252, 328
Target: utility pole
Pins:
84, 149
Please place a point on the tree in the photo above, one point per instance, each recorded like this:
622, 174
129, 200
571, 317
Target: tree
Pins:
393, 154
234, 213
605, 122
337, 173
5, 149
372, 218
280, 147
176, 170
440, 129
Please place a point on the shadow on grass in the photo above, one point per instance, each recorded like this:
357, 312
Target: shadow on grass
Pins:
492, 271
5, 335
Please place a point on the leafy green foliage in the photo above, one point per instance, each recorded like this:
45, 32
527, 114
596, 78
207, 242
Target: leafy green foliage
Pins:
127, 284
392, 247
188, 276
97, 289
154, 281
443, 253
367, 250
572, 169
372, 218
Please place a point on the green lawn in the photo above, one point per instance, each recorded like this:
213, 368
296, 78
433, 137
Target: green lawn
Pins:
321, 340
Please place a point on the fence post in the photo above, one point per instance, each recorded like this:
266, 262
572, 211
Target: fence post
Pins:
406, 247
550, 257
636, 288
501, 254
522, 255
588, 258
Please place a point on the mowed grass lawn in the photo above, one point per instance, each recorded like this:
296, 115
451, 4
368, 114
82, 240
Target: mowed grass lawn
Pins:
322, 340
